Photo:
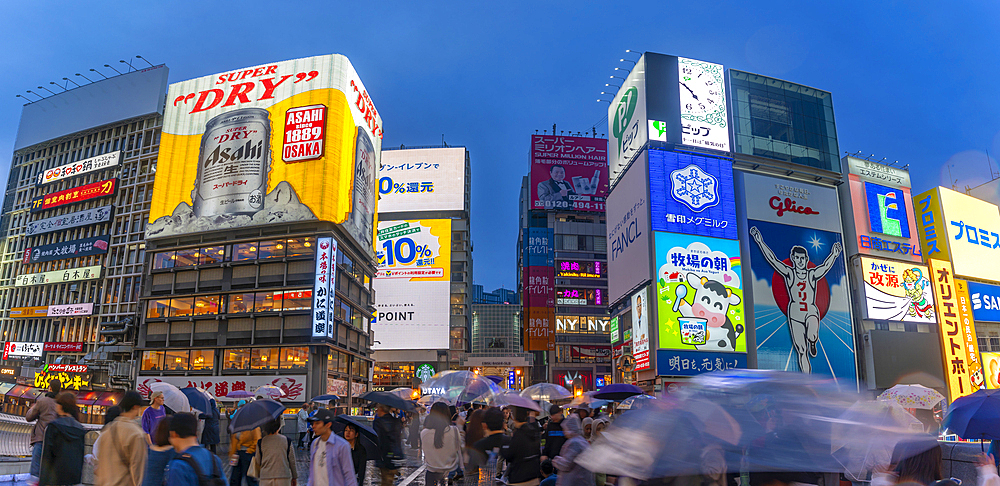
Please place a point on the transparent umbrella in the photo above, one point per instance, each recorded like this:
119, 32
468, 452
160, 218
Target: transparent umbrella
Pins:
634, 402
546, 391
460, 386
744, 421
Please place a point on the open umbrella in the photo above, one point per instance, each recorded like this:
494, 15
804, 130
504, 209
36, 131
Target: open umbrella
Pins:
269, 391
173, 397
495, 379
975, 416
460, 386
325, 398
255, 414
913, 396
618, 391
368, 436
513, 399
546, 391
634, 402
882, 414
198, 399
239, 394
404, 393
388, 399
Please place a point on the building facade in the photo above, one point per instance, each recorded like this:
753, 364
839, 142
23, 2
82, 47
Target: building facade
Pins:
74, 214
424, 254
497, 296
562, 261
259, 250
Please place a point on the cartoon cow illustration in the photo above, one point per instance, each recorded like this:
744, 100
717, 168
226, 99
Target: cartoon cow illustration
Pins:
711, 301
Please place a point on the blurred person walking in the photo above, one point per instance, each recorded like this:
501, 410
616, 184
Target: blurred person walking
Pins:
302, 422
523, 452
554, 437
123, 451
43, 412
390, 444
110, 415
242, 446
414, 431
484, 456
211, 436
153, 414
442, 446
193, 465
274, 462
331, 463
161, 452
62, 449
571, 473
588, 428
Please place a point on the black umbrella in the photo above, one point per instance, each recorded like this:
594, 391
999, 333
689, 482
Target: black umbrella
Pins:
255, 414
388, 399
617, 391
367, 435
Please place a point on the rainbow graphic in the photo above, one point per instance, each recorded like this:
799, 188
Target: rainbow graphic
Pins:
734, 262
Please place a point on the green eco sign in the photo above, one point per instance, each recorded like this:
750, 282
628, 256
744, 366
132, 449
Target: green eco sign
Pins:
623, 114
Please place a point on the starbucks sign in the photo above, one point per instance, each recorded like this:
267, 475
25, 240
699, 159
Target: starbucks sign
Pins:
424, 372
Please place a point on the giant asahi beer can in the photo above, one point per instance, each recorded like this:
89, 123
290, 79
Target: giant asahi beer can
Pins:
233, 164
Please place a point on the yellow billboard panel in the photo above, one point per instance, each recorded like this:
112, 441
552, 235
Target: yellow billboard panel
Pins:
991, 368
289, 141
953, 346
25, 312
930, 225
962, 229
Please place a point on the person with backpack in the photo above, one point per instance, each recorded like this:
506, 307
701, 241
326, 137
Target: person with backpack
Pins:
442, 446
62, 448
274, 462
122, 450
160, 454
554, 438
485, 462
524, 450
194, 465
390, 444
331, 463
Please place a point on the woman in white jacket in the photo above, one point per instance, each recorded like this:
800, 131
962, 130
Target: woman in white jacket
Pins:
442, 445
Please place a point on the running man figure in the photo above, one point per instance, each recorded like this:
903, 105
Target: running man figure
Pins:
803, 314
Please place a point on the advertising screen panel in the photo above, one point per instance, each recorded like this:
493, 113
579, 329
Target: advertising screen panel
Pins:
79, 167
69, 310
955, 355
578, 268
991, 368
326, 257
28, 312
962, 228
627, 127
539, 286
897, 291
267, 144
704, 118
29, 350
68, 221
569, 173
97, 245
294, 386
628, 232
985, 302
59, 276
413, 284
882, 223
692, 194
422, 180
86, 192
670, 362
974, 367
699, 294
640, 327
538, 247
541, 328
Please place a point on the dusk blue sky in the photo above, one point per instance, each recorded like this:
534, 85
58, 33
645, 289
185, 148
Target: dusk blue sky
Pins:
911, 81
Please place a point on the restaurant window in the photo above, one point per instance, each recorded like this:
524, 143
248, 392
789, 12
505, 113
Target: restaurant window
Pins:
265, 302
186, 258
202, 359
181, 307
156, 309
163, 260
356, 320
331, 361
206, 304
152, 360
345, 311
342, 363
213, 254
296, 300
240, 303
264, 358
175, 360
301, 246
244, 251
237, 359
294, 358
271, 249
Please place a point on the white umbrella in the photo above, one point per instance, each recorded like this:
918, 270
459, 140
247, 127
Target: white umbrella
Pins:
269, 391
512, 399
913, 396
173, 397
546, 391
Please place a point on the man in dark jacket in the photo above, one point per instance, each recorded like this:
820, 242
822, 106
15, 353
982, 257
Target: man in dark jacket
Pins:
210, 435
554, 437
62, 450
522, 453
42, 413
390, 444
